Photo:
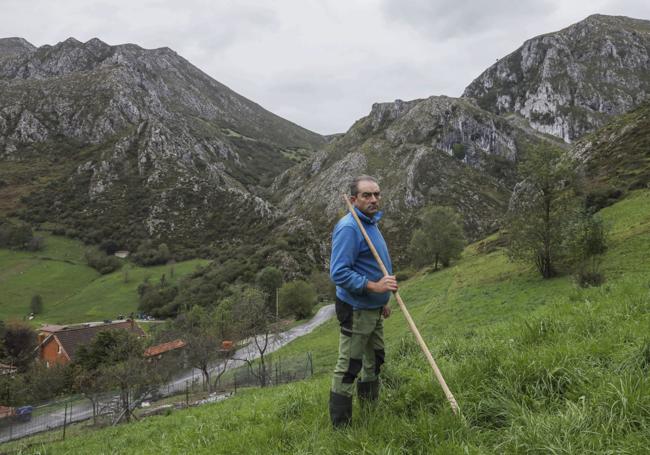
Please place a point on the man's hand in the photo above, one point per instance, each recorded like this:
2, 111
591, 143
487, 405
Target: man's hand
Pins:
385, 311
386, 284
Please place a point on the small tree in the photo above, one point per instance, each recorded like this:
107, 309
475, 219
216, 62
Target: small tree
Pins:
269, 280
201, 333
254, 320
36, 305
298, 298
586, 241
439, 239
116, 356
537, 214
20, 341
324, 286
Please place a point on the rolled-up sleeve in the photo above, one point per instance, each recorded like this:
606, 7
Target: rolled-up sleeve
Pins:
345, 249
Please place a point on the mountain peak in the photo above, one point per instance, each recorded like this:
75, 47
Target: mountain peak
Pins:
15, 46
72, 41
569, 82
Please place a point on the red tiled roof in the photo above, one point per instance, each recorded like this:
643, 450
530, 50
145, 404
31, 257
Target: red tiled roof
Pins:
71, 338
164, 347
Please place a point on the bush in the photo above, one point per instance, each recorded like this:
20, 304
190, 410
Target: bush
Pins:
36, 305
109, 246
157, 300
438, 240
601, 198
101, 262
148, 254
324, 286
15, 235
404, 275
297, 298
458, 151
585, 278
586, 242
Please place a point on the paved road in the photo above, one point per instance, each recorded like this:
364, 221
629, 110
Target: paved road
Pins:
83, 410
251, 352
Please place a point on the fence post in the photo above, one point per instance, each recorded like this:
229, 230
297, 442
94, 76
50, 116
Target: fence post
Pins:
311, 363
65, 417
235, 381
187, 393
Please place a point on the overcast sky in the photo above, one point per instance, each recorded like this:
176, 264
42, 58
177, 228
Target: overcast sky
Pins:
318, 63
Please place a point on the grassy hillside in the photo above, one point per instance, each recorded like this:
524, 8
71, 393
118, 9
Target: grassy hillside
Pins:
536, 366
72, 291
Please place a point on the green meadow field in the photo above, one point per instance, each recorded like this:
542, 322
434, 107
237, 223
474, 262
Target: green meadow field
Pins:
537, 366
71, 290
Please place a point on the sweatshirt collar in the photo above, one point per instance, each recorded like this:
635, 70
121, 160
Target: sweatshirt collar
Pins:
366, 219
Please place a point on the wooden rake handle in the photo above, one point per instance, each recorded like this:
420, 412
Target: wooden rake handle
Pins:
407, 315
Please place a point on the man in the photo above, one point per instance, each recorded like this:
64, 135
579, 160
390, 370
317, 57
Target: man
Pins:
362, 294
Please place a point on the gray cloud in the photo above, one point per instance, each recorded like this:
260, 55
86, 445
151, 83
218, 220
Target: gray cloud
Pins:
446, 19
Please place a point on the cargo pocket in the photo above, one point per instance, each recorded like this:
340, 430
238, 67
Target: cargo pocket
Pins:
344, 314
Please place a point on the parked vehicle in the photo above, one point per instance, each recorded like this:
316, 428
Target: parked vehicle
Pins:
20, 414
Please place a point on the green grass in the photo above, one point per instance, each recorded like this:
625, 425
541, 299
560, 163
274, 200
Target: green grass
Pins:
537, 367
72, 291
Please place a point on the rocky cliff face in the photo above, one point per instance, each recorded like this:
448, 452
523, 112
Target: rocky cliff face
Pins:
436, 151
570, 82
160, 149
617, 156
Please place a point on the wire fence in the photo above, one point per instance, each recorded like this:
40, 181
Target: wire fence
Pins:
54, 420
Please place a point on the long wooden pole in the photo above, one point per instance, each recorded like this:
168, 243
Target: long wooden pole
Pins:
407, 315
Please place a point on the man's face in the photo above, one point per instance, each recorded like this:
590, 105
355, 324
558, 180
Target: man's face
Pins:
367, 199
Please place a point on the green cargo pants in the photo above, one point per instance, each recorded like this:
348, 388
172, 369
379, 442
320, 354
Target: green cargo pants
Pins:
361, 347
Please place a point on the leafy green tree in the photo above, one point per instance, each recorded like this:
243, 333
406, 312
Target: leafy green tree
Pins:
324, 286
255, 320
439, 239
36, 305
298, 298
15, 235
201, 331
115, 358
101, 262
157, 299
539, 207
19, 341
269, 280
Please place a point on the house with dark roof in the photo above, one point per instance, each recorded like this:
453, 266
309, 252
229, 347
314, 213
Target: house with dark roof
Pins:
58, 344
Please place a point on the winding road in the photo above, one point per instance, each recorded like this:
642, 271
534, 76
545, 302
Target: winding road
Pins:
48, 420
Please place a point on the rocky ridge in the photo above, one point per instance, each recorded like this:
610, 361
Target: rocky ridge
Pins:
439, 150
140, 122
570, 82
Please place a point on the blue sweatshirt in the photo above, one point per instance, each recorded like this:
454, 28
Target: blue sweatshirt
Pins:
352, 264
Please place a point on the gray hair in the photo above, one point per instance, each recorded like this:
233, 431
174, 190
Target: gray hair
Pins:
354, 185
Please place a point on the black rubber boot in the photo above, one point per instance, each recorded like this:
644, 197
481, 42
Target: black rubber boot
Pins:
368, 392
340, 410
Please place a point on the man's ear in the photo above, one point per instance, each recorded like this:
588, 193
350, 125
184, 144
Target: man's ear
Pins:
353, 199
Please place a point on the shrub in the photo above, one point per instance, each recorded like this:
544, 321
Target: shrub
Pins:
439, 239
36, 305
148, 254
15, 235
297, 298
586, 241
101, 262
405, 274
